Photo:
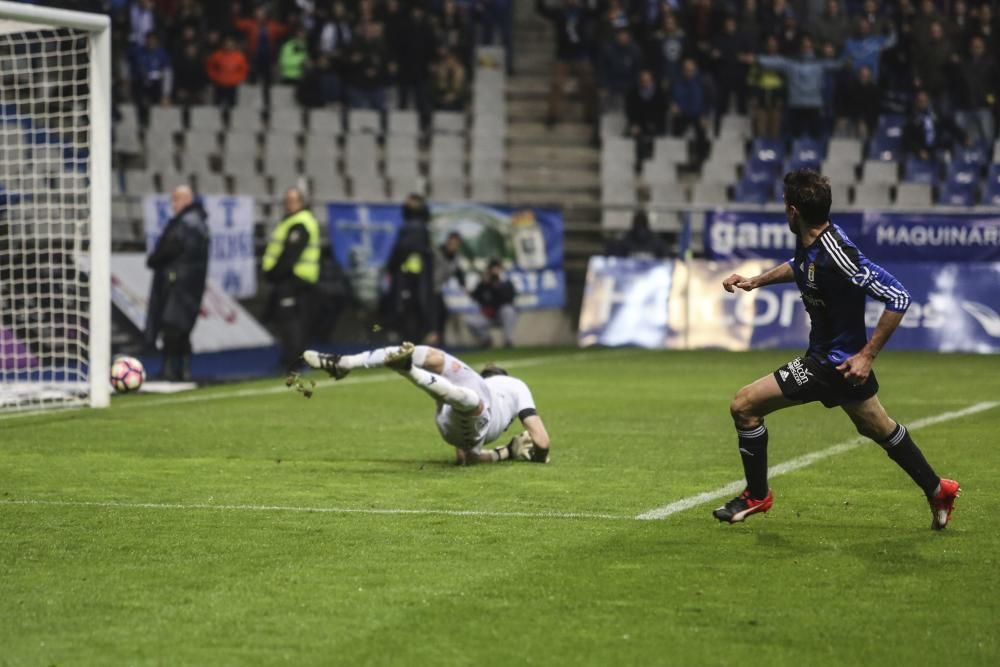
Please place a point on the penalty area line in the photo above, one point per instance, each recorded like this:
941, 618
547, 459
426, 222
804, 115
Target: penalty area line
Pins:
804, 461
318, 510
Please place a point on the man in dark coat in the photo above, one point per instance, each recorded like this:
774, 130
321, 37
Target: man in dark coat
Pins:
180, 266
411, 272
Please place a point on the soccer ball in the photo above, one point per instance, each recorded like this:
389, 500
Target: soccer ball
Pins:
127, 374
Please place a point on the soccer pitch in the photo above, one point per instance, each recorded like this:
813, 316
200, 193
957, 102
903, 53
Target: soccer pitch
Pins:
246, 525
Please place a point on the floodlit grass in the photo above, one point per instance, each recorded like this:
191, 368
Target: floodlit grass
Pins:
171, 530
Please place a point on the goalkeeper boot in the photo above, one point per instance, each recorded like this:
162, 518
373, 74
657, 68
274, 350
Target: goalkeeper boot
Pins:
943, 502
325, 362
402, 358
743, 506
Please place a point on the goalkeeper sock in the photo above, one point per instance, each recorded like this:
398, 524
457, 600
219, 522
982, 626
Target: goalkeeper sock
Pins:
901, 449
461, 398
500, 453
753, 451
370, 359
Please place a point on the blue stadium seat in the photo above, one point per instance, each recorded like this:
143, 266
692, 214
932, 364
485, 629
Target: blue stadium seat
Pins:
795, 164
993, 175
977, 155
991, 194
885, 147
778, 195
954, 193
920, 171
891, 125
809, 151
752, 192
760, 171
961, 174
768, 150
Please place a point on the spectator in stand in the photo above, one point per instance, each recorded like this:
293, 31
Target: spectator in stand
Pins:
977, 93
572, 24
189, 76
806, 78
495, 297
411, 305
142, 21
926, 16
646, 16
153, 75
262, 36
832, 26
789, 36
864, 49
227, 68
416, 50
294, 58
646, 113
689, 108
332, 32
613, 19
497, 17
858, 105
369, 69
320, 85
703, 21
455, 31
961, 28
620, 62
639, 241
729, 69
666, 50
930, 58
926, 133
986, 28
450, 82
750, 23
769, 93
879, 22
447, 265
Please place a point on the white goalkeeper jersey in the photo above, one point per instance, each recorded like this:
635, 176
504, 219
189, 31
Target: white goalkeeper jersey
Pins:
509, 399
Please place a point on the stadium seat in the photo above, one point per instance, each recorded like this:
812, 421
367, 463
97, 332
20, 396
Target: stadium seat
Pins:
320, 153
993, 175
991, 194
125, 140
871, 195
954, 193
913, 195
891, 125
282, 96
885, 148
618, 192
768, 151
876, 171
404, 122
448, 147
401, 185
286, 121
205, 118
962, 174
718, 172
328, 185
171, 178
612, 124
759, 171
160, 160
670, 150
325, 122
808, 150
448, 190
368, 189
976, 155
209, 183
666, 194
138, 182
709, 194
489, 125
749, 191
364, 120
244, 119
485, 170
616, 219
838, 172
127, 115
165, 120
844, 151
735, 125
920, 171
654, 173
448, 122
618, 146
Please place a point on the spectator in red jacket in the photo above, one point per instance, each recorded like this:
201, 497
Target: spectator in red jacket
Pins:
263, 38
227, 68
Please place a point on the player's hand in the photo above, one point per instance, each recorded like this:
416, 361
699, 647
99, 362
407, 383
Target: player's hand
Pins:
736, 280
856, 369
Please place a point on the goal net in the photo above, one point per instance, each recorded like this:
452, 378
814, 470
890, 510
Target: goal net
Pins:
54, 208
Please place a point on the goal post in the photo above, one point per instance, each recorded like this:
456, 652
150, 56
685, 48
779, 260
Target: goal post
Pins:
55, 208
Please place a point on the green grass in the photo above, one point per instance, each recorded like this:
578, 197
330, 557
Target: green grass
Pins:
843, 571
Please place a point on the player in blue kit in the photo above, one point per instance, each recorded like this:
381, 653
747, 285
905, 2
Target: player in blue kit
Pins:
834, 278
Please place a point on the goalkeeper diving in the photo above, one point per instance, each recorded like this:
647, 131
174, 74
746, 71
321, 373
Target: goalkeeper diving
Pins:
473, 409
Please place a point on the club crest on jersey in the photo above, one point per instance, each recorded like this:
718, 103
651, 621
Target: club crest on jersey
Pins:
811, 274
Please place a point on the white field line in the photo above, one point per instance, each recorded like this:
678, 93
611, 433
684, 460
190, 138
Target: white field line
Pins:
800, 462
318, 510
198, 397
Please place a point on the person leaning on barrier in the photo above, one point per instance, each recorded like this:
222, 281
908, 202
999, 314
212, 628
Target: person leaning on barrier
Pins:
495, 297
180, 267
291, 264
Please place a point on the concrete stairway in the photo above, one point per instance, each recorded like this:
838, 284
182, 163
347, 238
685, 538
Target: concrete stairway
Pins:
557, 166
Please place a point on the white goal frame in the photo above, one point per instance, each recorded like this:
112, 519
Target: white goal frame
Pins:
17, 17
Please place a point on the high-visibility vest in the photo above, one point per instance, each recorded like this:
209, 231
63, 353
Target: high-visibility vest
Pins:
307, 266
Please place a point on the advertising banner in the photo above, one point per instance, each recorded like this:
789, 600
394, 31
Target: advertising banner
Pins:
883, 236
222, 323
529, 241
231, 264
954, 307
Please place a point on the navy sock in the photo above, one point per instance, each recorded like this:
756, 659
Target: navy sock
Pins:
753, 451
901, 449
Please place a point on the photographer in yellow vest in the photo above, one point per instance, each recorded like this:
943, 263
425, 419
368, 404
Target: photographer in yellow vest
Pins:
291, 264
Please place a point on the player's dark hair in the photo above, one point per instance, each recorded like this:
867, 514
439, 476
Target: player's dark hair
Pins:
492, 369
809, 193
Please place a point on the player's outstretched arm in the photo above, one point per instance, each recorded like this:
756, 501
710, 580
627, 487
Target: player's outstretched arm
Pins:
539, 436
780, 274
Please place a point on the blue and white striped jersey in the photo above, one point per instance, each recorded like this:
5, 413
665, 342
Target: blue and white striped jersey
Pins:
834, 277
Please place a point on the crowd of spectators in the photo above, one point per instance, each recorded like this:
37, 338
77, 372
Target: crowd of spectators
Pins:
800, 68
351, 52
